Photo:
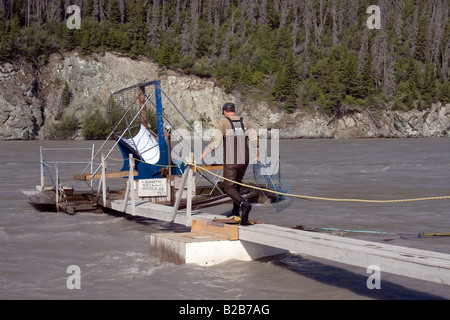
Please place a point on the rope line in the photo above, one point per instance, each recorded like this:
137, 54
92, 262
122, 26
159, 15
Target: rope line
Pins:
322, 198
296, 195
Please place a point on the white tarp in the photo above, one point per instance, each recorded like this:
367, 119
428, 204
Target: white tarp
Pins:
146, 145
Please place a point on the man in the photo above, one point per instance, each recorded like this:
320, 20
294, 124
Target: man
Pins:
235, 133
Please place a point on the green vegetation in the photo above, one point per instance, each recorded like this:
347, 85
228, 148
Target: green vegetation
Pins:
65, 101
64, 129
303, 53
95, 125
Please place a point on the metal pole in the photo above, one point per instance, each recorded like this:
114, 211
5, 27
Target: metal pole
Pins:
57, 187
104, 179
180, 193
131, 185
92, 161
42, 169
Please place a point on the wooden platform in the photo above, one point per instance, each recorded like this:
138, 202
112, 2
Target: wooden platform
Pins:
77, 206
108, 175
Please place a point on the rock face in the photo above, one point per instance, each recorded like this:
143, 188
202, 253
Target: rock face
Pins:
434, 122
92, 80
21, 111
30, 101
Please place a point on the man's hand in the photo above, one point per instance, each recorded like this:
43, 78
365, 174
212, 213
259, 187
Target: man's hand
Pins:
257, 155
205, 153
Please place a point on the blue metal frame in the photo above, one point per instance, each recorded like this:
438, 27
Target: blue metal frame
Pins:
145, 170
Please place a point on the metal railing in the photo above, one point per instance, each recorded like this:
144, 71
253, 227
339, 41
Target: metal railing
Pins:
44, 167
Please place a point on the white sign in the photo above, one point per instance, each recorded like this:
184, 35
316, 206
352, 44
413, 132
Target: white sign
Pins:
153, 187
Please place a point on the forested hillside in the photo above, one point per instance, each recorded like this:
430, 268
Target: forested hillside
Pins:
314, 54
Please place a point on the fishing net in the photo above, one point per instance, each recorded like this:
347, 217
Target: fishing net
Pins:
268, 176
128, 107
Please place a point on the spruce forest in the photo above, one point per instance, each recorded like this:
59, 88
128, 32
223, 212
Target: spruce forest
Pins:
310, 54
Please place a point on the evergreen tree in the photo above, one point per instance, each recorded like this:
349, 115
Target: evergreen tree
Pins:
444, 92
65, 101
333, 87
429, 88
137, 26
114, 15
251, 42
414, 78
89, 9
273, 17
69, 40
86, 45
286, 81
95, 125
367, 78
9, 32
421, 42
164, 55
349, 73
291, 101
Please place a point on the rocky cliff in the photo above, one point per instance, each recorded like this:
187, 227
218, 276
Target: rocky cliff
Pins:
30, 100
21, 108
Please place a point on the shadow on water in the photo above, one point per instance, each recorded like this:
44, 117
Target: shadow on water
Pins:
346, 279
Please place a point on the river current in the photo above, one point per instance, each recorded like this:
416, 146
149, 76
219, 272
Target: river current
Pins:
112, 251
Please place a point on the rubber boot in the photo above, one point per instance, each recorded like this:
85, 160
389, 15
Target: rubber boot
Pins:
245, 211
235, 211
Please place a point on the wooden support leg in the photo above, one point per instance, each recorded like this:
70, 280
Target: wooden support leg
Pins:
189, 198
130, 187
180, 193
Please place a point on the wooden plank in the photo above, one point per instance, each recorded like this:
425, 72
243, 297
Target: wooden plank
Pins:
109, 175
220, 230
408, 262
210, 168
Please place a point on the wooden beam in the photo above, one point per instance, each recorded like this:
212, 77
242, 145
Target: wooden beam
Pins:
109, 175
210, 168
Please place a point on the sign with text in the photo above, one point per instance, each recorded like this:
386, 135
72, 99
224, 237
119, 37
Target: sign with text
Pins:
153, 187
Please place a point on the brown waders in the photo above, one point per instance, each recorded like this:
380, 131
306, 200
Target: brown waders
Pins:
236, 160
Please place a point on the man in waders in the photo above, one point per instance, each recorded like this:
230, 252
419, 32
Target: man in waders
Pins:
235, 133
